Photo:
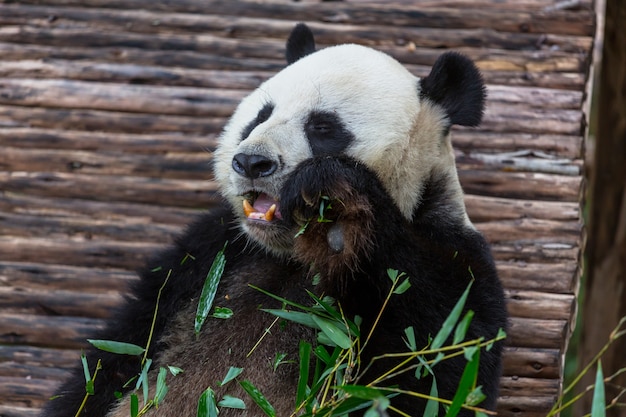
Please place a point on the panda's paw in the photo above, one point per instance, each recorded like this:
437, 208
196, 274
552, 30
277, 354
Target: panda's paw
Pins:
332, 216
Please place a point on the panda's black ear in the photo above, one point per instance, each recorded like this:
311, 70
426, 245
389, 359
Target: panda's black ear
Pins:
300, 43
456, 85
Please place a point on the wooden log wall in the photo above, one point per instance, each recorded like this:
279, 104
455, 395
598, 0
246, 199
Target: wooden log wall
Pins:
109, 111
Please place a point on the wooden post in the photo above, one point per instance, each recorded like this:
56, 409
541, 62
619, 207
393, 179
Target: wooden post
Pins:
605, 295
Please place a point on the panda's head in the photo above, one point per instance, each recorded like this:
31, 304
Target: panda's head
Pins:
351, 100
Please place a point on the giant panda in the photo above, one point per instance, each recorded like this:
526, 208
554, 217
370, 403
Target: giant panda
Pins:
352, 125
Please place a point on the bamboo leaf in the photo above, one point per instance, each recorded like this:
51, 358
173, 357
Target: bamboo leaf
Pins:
451, 320
232, 373
206, 404
210, 289
258, 398
232, 402
466, 385
410, 338
299, 317
432, 406
403, 287
334, 333
462, 327
362, 391
120, 348
161, 387
222, 313
305, 360
174, 370
134, 405
598, 404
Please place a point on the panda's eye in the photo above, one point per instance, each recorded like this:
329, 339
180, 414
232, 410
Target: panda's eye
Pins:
321, 124
261, 117
326, 133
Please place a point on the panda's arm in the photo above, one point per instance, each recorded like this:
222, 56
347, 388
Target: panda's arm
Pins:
180, 271
344, 213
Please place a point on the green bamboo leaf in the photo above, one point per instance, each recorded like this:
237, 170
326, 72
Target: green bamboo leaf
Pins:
305, 361
283, 300
279, 359
134, 405
306, 319
232, 402
120, 348
222, 313
598, 404
462, 327
161, 387
232, 373
143, 380
451, 320
206, 404
466, 385
432, 406
410, 338
258, 398
210, 289
403, 287
83, 359
333, 332
392, 274
475, 397
174, 370
361, 391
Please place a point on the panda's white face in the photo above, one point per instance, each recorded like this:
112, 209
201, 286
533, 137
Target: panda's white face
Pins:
346, 99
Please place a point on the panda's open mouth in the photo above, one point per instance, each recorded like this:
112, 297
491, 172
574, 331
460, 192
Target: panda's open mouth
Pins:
260, 206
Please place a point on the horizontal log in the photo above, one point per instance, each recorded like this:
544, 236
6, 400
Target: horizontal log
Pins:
532, 362
95, 210
525, 119
146, 144
172, 165
26, 392
80, 252
484, 208
38, 357
40, 276
535, 97
18, 300
18, 411
553, 277
228, 58
555, 252
392, 14
537, 333
189, 193
104, 30
178, 101
132, 74
540, 305
531, 406
521, 185
47, 331
107, 121
531, 230
526, 387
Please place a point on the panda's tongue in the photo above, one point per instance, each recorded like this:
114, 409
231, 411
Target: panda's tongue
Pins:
264, 208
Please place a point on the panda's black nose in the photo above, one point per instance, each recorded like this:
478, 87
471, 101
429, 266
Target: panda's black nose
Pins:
253, 166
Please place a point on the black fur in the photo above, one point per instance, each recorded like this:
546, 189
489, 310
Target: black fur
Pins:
326, 133
262, 116
300, 43
456, 85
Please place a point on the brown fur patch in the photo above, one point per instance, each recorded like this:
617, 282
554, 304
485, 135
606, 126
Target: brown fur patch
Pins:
353, 216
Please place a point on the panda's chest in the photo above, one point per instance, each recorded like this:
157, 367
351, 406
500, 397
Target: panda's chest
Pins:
264, 347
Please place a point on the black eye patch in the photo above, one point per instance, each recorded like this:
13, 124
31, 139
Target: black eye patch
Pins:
261, 117
326, 133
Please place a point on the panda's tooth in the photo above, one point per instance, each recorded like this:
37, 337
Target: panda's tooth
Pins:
269, 214
247, 208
